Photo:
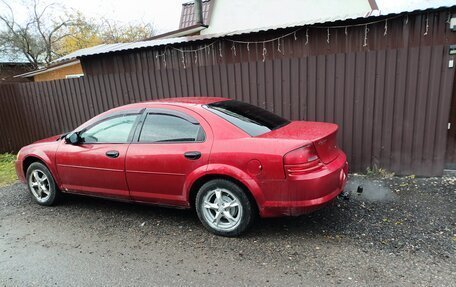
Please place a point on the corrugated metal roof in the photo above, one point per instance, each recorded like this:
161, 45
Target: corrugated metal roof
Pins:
111, 48
89, 51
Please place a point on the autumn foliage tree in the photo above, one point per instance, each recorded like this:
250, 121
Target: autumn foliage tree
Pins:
51, 31
90, 32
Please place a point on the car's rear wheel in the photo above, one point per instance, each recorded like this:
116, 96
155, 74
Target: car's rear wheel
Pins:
224, 208
41, 184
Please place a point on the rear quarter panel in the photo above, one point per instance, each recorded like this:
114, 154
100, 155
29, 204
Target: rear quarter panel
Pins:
234, 153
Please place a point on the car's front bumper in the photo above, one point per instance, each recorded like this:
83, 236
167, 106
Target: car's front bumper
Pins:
19, 170
306, 193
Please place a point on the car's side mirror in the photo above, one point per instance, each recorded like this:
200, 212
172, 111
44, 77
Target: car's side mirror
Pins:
73, 138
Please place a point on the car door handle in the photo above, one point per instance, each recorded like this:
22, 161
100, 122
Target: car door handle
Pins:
112, 153
192, 155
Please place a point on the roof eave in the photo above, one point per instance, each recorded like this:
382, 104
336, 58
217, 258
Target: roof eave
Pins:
179, 32
48, 69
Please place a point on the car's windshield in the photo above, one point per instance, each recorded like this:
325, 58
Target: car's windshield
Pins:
253, 120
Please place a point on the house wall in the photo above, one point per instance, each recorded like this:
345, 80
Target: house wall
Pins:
239, 15
60, 73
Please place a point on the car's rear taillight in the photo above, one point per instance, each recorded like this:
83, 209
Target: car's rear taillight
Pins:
302, 155
302, 160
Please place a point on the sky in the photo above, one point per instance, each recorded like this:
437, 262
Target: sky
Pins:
165, 14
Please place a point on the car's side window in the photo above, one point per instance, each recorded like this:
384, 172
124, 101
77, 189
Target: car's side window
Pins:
159, 128
112, 130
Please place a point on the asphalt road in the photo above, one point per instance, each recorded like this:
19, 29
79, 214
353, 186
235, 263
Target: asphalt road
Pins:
399, 231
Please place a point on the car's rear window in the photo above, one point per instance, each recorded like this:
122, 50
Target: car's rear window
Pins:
253, 120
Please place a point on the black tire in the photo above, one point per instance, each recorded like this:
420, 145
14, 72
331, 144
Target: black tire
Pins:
37, 187
242, 215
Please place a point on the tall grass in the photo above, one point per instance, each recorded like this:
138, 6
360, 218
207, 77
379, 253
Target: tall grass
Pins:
7, 171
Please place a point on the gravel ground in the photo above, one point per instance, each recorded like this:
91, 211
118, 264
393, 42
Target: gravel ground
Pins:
399, 231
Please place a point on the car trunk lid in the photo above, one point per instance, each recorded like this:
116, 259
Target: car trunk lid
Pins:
322, 135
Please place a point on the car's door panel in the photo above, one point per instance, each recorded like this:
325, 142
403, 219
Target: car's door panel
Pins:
156, 171
97, 164
87, 168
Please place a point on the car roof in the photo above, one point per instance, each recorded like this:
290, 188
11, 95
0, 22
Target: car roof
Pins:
192, 100
183, 101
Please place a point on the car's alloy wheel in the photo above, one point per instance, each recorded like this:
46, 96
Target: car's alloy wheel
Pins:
41, 184
224, 208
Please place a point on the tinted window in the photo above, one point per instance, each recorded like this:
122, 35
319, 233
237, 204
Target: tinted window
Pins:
251, 119
169, 128
113, 130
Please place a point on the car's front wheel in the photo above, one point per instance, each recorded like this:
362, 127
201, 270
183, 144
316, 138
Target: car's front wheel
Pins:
41, 184
224, 208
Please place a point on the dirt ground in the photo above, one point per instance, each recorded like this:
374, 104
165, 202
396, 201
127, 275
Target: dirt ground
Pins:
398, 232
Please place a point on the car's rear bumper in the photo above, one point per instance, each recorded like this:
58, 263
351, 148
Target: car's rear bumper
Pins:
306, 193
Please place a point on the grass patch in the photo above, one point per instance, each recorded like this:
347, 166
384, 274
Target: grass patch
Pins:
7, 171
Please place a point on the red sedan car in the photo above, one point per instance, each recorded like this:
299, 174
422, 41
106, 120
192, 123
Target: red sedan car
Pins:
227, 159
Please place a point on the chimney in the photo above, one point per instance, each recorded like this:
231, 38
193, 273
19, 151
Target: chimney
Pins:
199, 12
